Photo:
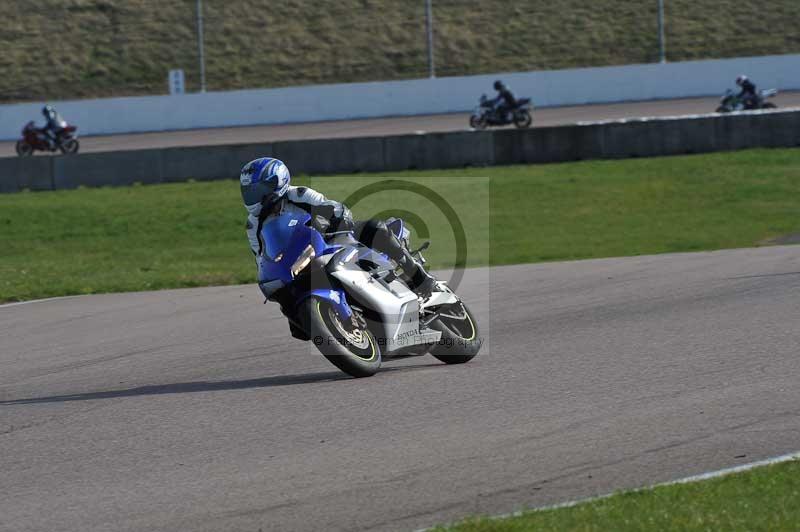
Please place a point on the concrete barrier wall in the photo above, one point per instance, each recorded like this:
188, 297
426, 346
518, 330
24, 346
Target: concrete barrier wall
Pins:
26, 174
406, 98
604, 140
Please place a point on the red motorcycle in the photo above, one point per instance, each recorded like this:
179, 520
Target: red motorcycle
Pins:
34, 139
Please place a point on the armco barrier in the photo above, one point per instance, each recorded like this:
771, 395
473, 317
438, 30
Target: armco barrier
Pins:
330, 156
438, 150
204, 163
648, 138
98, 169
607, 140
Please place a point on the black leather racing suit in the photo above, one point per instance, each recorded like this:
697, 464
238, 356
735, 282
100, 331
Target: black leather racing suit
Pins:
505, 102
749, 95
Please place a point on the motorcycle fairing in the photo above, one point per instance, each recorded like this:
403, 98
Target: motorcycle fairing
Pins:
384, 295
440, 298
342, 273
396, 304
336, 297
285, 238
379, 290
270, 287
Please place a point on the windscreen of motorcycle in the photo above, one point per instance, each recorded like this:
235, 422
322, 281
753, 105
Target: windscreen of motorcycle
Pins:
284, 238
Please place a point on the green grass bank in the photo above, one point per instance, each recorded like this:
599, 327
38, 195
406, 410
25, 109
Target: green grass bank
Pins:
57, 49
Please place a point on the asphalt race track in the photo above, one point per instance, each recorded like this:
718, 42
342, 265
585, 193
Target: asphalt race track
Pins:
194, 410
394, 126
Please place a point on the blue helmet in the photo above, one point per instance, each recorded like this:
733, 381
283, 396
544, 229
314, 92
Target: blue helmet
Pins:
263, 182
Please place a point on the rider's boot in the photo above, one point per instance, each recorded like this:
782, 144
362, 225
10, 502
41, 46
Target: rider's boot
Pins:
420, 281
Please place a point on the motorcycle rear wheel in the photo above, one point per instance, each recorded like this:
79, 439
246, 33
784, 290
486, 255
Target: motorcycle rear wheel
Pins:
69, 147
523, 119
722, 109
355, 351
24, 149
769, 105
460, 341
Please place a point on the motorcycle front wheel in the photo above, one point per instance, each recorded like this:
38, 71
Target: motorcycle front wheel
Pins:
477, 121
769, 105
69, 147
353, 350
24, 149
460, 341
523, 119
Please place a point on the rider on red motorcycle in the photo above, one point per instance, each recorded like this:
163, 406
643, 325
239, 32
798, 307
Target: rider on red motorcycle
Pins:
54, 125
55, 136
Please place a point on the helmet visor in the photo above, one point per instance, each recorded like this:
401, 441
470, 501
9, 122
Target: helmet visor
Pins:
257, 192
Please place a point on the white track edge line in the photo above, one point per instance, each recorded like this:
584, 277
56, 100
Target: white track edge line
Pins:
18, 303
685, 480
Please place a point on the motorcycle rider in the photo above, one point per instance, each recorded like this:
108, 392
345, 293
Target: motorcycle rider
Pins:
748, 94
504, 102
266, 191
53, 126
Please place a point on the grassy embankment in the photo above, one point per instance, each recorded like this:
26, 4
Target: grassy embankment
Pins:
765, 499
191, 234
57, 49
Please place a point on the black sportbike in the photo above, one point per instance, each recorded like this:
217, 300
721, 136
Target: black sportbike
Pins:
731, 101
486, 114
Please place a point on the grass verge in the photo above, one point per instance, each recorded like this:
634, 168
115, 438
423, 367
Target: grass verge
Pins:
191, 234
126, 47
765, 498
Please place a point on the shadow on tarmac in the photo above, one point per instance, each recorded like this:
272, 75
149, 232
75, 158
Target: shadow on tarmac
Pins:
204, 386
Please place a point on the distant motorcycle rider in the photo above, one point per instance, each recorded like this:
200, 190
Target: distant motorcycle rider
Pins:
53, 126
266, 192
505, 101
748, 95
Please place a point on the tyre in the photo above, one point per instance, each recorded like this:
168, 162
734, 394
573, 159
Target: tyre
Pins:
523, 119
477, 122
24, 149
355, 351
769, 105
70, 146
460, 340
722, 109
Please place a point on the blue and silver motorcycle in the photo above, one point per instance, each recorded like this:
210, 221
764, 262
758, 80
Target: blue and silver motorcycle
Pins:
354, 303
